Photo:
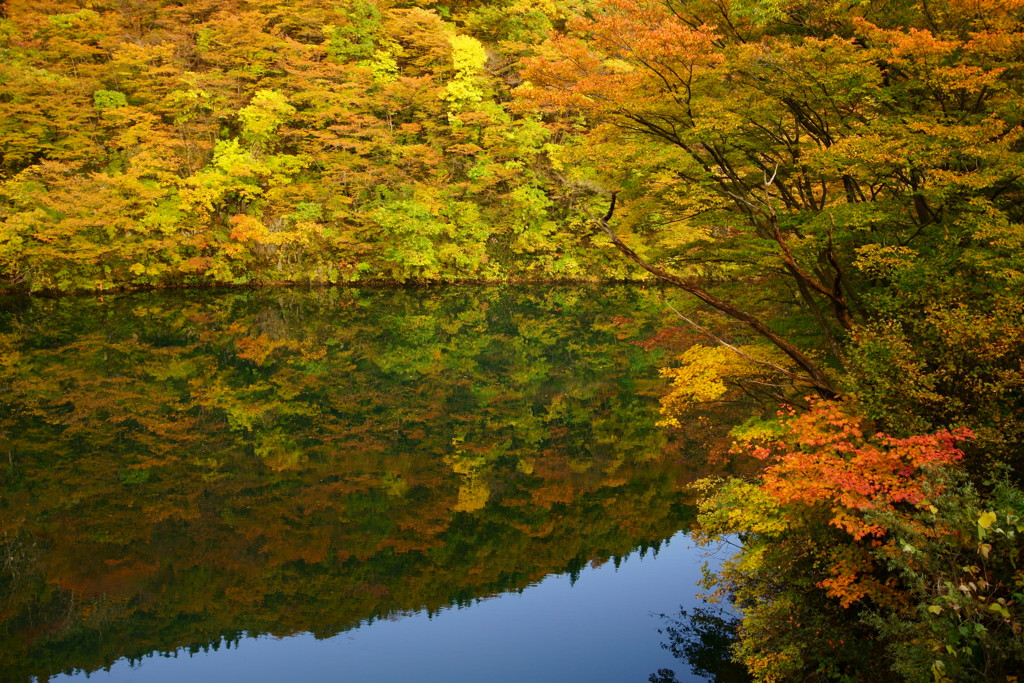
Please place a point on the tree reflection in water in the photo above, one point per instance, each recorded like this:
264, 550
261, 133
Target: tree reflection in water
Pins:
183, 467
702, 637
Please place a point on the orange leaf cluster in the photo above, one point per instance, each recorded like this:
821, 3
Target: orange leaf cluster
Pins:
829, 458
831, 466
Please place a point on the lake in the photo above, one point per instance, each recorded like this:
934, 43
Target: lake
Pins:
455, 484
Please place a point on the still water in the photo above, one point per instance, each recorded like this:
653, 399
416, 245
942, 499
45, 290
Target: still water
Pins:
347, 485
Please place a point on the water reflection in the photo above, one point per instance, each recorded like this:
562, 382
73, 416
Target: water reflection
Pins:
179, 470
601, 630
702, 638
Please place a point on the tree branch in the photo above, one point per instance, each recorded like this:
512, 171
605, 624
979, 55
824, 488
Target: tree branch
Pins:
814, 376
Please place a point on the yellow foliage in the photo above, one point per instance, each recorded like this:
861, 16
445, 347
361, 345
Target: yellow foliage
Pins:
879, 260
704, 375
473, 495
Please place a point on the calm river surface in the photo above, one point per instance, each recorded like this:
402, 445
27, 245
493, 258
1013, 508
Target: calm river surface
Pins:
339, 485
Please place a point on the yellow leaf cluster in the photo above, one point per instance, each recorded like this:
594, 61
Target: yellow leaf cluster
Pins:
705, 374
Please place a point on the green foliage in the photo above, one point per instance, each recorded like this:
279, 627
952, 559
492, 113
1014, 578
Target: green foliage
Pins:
357, 37
109, 99
264, 115
960, 562
948, 364
418, 230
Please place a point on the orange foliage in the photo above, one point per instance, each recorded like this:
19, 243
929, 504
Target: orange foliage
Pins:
831, 464
829, 458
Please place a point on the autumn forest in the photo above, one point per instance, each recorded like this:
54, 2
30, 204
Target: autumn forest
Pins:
790, 231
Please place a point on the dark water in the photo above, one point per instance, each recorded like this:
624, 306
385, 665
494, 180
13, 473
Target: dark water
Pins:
353, 485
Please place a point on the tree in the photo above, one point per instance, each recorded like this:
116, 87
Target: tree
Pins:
801, 147
867, 557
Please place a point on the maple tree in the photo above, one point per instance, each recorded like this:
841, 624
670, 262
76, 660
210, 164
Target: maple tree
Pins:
850, 536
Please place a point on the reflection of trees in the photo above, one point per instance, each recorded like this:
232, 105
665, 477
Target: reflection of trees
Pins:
180, 469
702, 638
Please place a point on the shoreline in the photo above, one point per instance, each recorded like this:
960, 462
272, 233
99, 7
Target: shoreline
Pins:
378, 283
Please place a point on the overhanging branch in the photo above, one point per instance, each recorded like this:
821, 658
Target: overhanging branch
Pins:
813, 375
